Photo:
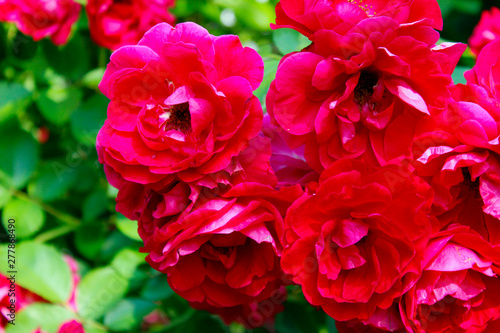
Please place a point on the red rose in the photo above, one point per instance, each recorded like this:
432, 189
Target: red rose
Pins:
182, 106
289, 165
309, 16
362, 90
114, 23
356, 244
458, 290
486, 31
458, 150
42, 18
224, 253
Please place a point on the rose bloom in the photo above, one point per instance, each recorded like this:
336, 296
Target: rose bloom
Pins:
356, 244
224, 254
289, 165
309, 16
486, 31
458, 290
42, 18
114, 23
362, 90
182, 105
458, 150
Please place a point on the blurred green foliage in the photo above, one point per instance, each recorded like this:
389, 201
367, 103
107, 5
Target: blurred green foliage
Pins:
52, 184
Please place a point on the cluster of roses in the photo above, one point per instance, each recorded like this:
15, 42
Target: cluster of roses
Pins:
373, 182
112, 23
14, 298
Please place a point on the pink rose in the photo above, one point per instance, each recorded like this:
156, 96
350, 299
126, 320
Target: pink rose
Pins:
362, 91
223, 254
356, 244
486, 31
114, 23
309, 16
182, 106
42, 18
458, 290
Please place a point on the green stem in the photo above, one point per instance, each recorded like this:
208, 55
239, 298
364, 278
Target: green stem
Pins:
63, 217
103, 57
54, 233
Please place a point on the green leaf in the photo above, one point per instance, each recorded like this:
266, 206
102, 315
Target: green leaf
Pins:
289, 40
95, 204
50, 184
4, 196
471, 7
58, 103
157, 289
47, 317
42, 270
114, 243
128, 314
126, 261
89, 239
22, 46
98, 291
256, 15
89, 118
196, 321
70, 60
28, 216
18, 157
300, 317
458, 74
127, 227
13, 97
270, 68
91, 79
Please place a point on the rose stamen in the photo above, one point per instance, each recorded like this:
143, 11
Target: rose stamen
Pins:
472, 186
364, 89
177, 117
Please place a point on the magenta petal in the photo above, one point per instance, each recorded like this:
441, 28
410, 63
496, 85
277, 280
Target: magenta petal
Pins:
406, 93
454, 257
294, 110
231, 59
349, 232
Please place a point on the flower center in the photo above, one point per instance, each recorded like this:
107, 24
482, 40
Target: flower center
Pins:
365, 7
472, 186
364, 89
177, 117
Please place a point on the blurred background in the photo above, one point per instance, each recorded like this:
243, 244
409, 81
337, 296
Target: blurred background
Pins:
52, 184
